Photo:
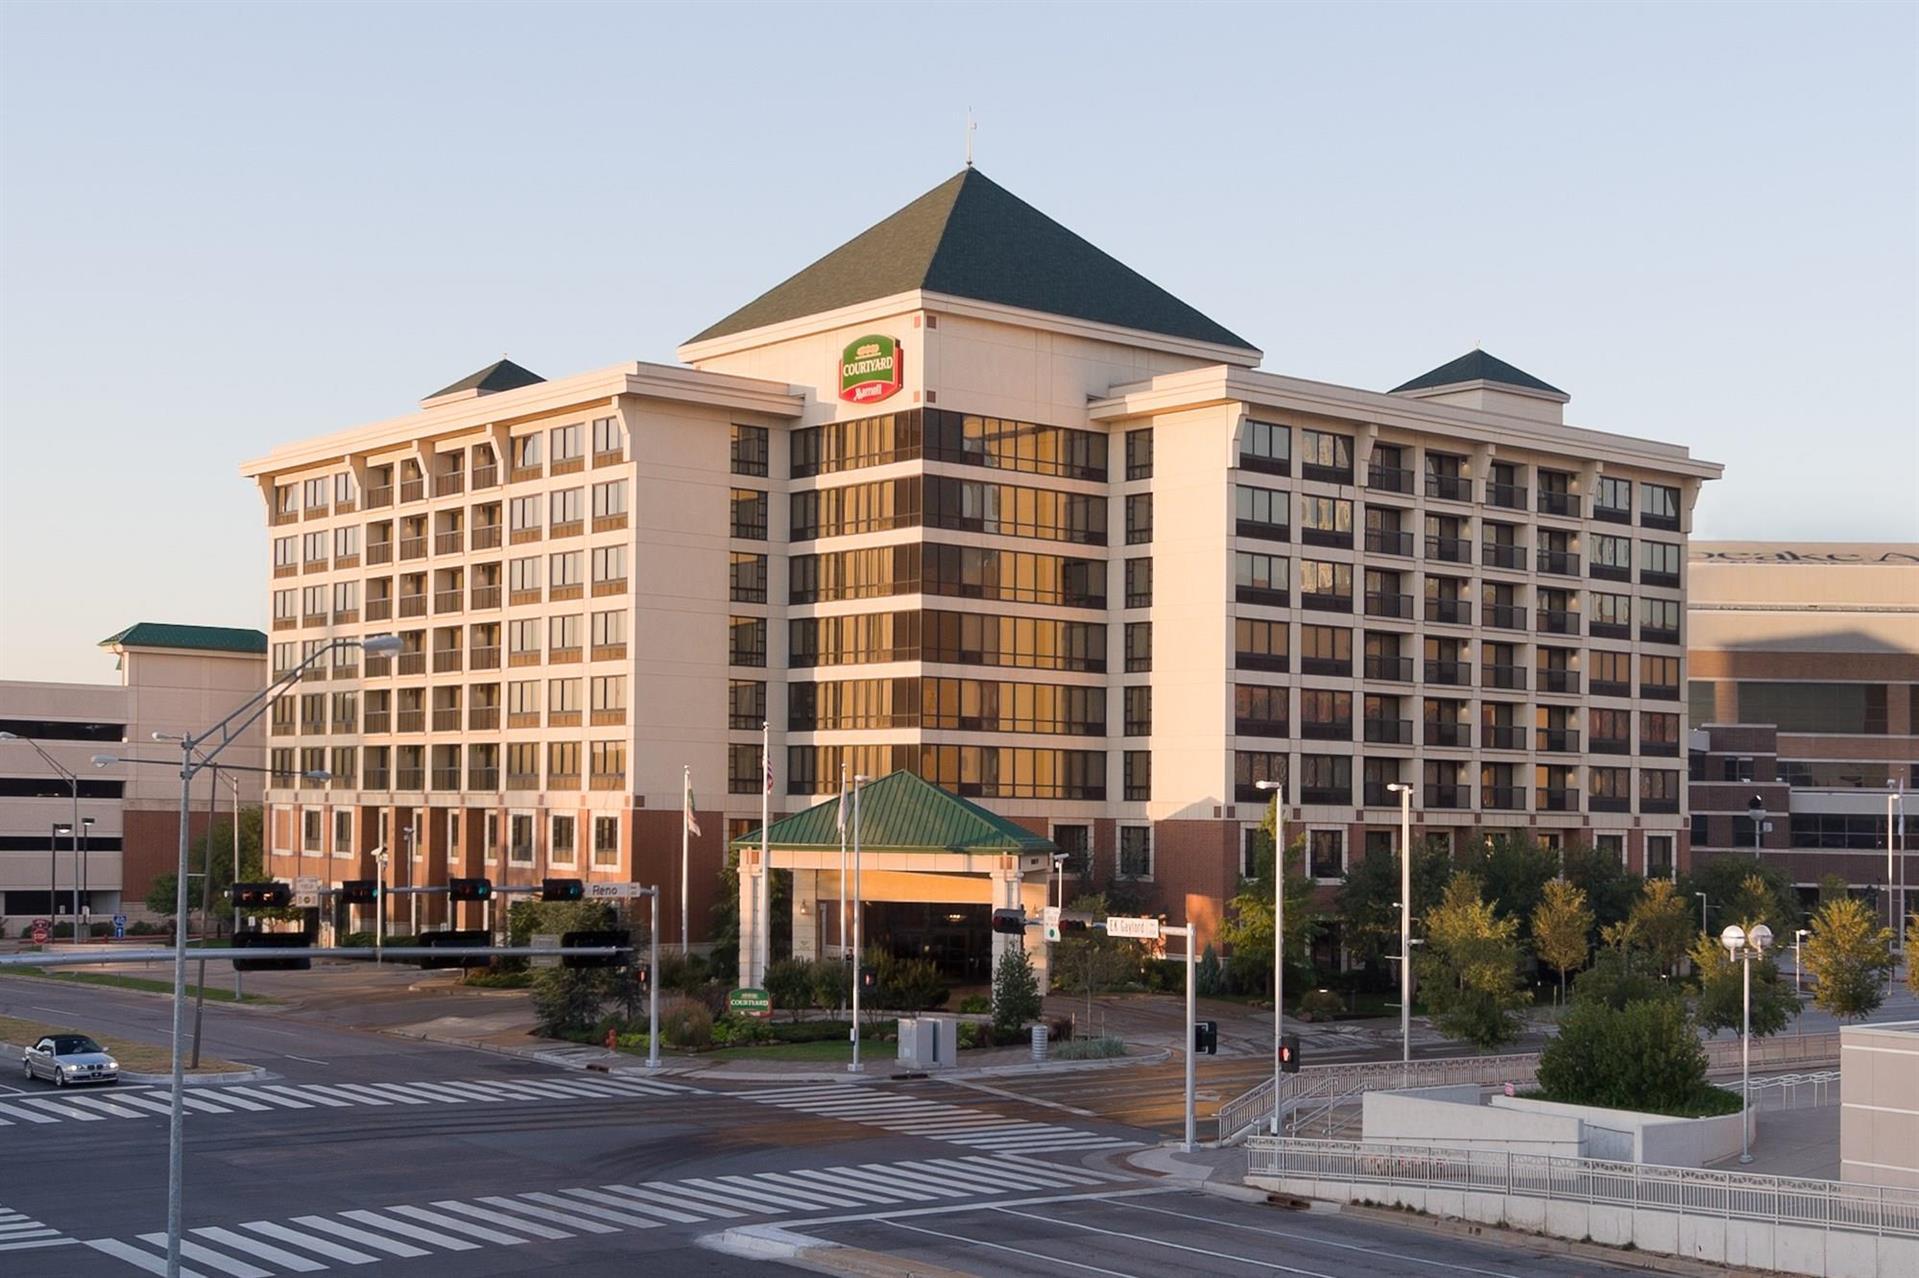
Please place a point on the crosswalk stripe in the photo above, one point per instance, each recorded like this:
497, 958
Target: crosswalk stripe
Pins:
147, 1103
932, 1178
710, 1193
626, 1204
753, 1195
203, 1105
190, 1250
884, 1193
854, 1196
283, 1097
252, 1099
318, 1246
395, 1092
324, 1090
30, 1244
907, 1174
544, 1088
111, 1109
407, 1230
468, 1091
778, 1193
369, 1095
307, 1092
443, 1221
378, 1242
61, 1107
524, 1226
846, 1175
1002, 1176
571, 1221
1094, 1173
31, 1229
628, 1219
263, 1251
137, 1258
432, 1091
26, 1115
996, 1182
704, 1207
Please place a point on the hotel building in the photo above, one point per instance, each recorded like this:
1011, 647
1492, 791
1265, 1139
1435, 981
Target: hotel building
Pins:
971, 498
1804, 696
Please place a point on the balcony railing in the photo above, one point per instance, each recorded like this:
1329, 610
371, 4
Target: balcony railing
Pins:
379, 495
1395, 669
1261, 531
1506, 496
1608, 572
1376, 795
1327, 474
1658, 749
482, 778
1389, 731
1503, 736
486, 536
452, 542
482, 718
446, 718
1562, 562
1380, 541
1262, 595
379, 609
1609, 688
1609, 630
1333, 794
1665, 523
1552, 680
1496, 554
1266, 465
1509, 677
1661, 806
485, 597
1339, 667
1389, 479
447, 601
1552, 622
1326, 729
379, 667
1502, 798
413, 547
379, 552
446, 660
1455, 673
1650, 577
1503, 616
412, 720
412, 663
1338, 538
1445, 797
1451, 611
1456, 736
1608, 745
1608, 803
413, 605
1269, 662
412, 490
376, 778
1449, 487
1315, 602
1558, 740
409, 779
446, 778
1452, 550
1554, 502
1612, 515
449, 483
1260, 727
1546, 799
1389, 605
486, 477
1659, 691
1657, 634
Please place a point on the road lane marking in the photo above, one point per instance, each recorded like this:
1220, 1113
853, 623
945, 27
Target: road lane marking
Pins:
137, 1258
443, 1221
1161, 1242
190, 1250
524, 1226
253, 1247
391, 1247
406, 1230
318, 1246
308, 1059
1026, 1252
1316, 1240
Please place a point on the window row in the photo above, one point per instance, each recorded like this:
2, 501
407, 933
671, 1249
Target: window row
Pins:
936, 568
963, 638
938, 501
992, 772
968, 705
941, 435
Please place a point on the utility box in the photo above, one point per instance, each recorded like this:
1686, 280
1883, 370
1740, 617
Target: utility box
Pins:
929, 1042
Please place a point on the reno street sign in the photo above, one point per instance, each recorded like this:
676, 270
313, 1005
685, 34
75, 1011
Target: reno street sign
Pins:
871, 368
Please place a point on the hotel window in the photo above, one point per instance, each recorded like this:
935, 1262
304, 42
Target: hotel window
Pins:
606, 842
1076, 843
1659, 563
749, 514
1612, 557
1136, 852
523, 577
314, 547
343, 832
1659, 677
865, 441
750, 450
609, 499
1611, 789
286, 553
1265, 447
1013, 445
1325, 650
286, 607
527, 452
1326, 586
1139, 583
609, 437
1658, 790
346, 541
523, 636
565, 570
310, 829
1261, 710
1610, 730
743, 769
1326, 778
609, 565
286, 501
1613, 500
346, 711
519, 839
1261, 512
1139, 711
559, 848
748, 577
606, 762
523, 514
1325, 715
1326, 854
1659, 619
562, 698
566, 441
1612, 616
1139, 453
746, 641
523, 698
1659, 507
1139, 519
1261, 579
608, 693
1137, 783
1139, 646
1326, 521
1323, 455
1260, 645
746, 704
563, 765
565, 506
1250, 767
313, 495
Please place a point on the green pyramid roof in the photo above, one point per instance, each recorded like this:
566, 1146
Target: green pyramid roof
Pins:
500, 375
971, 237
1476, 366
902, 813
159, 634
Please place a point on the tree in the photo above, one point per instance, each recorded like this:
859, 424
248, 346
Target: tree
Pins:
1368, 902
1643, 1056
1015, 992
1615, 980
1248, 925
1469, 969
218, 841
1610, 888
1513, 871
1660, 924
1912, 947
1091, 960
724, 957
1743, 891
567, 1000
1850, 955
1562, 929
1722, 991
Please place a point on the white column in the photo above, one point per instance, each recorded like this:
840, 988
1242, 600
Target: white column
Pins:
806, 915
751, 924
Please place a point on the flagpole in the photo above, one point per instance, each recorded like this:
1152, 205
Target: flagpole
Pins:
686, 839
763, 942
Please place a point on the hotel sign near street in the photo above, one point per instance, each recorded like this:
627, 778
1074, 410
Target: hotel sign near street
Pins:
871, 368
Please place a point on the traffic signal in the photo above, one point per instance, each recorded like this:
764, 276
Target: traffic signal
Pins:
1289, 1054
457, 940
643, 976
261, 896
611, 936
1010, 922
1074, 923
869, 980
469, 889
1206, 1037
271, 941
562, 890
358, 891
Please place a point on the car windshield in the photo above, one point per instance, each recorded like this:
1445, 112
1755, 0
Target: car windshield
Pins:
74, 1045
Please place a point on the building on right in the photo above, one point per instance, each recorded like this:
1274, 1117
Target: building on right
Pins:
1803, 695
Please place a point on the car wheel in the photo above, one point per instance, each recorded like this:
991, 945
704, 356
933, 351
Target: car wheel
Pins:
59, 1079
26, 1067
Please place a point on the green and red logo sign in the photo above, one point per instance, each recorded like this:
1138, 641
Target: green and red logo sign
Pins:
750, 1001
871, 369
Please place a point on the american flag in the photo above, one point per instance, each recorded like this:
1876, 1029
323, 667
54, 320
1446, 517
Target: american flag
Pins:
766, 757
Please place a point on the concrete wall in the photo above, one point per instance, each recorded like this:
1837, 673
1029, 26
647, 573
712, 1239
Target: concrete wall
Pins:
1879, 1104
1453, 1118
1651, 1138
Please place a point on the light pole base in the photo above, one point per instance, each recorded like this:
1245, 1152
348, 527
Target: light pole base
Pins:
854, 1067
1744, 1159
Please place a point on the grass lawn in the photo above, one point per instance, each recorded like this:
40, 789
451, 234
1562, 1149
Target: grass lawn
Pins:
120, 981
140, 1058
831, 1049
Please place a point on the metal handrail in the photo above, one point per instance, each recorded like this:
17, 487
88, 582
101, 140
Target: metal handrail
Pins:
1822, 1204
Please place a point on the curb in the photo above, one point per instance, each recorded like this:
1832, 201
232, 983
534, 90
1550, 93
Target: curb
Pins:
253, 1074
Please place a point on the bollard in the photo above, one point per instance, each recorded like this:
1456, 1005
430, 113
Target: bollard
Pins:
1039, 1042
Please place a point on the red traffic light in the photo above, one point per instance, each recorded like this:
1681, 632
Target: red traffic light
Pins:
1009, 922
1289, 1054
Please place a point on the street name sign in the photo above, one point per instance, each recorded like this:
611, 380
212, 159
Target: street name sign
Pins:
1134, 929
614, 891
306, 891
1049, 917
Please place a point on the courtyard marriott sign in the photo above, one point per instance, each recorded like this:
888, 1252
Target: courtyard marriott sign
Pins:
870, 369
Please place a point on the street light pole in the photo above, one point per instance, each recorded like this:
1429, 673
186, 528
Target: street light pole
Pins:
1702, 912
1757, 811
1744, 946
859, 922
1279, 932
1798, 935
1405, 793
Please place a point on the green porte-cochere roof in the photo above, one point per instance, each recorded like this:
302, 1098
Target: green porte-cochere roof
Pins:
902, 813
160, 634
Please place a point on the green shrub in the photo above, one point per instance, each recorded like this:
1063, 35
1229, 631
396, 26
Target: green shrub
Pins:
1089, 1049
789, 982
1015, 991
1645, 1056
905, 985
832, 982
355, 939
686, 1023
975, 1005
498, 978
565, 999
974, 1034
1319, 1005
142, 928
742, 1031
683, 975
1208, 981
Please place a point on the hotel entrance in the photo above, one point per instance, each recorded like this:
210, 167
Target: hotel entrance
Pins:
958, 937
